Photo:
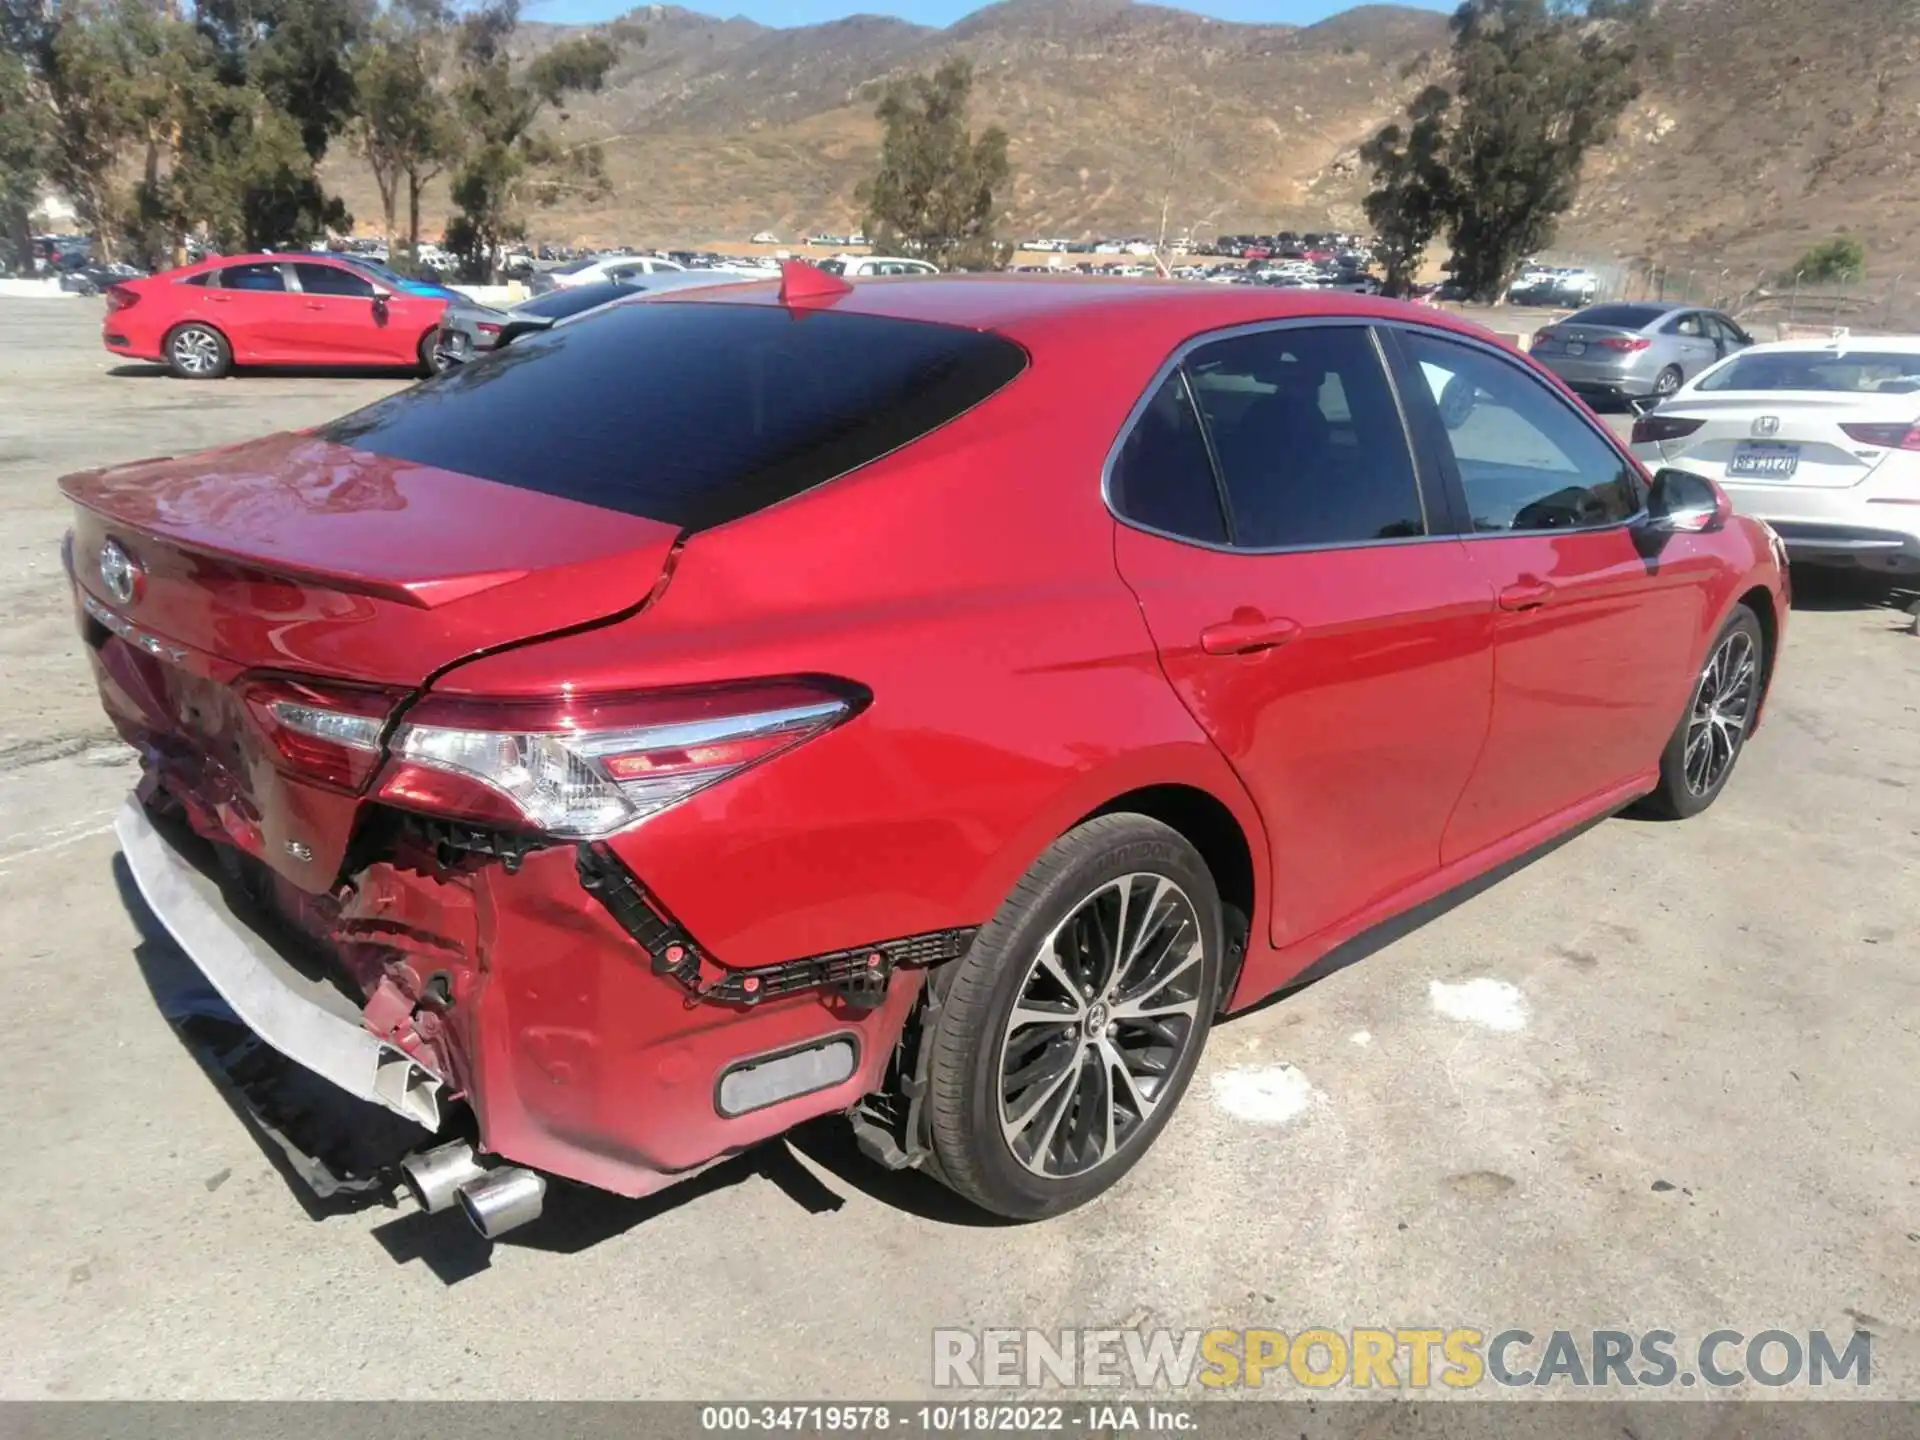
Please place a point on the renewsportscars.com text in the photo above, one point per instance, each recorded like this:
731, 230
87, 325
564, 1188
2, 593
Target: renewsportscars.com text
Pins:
1395, 1358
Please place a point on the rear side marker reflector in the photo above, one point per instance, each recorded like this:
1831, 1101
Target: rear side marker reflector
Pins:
767, 1080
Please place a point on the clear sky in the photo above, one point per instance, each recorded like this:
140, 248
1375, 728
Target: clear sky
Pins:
937, 12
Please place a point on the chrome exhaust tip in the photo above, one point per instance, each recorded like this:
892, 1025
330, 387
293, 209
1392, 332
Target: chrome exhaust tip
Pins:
502, 1200
435, 1176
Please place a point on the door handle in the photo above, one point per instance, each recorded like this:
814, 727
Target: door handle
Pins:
1246, 637
1526, 595
315, 305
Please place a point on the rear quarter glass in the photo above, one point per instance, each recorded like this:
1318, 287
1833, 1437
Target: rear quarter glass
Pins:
692, 415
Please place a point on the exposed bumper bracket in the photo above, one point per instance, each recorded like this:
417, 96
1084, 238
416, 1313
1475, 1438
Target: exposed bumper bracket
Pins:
254, 981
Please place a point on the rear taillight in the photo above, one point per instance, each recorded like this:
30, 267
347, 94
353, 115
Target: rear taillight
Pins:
486, 327
1887, 437
1540, 335
1653, 429
322, 731
1625, 344
121, 298
583, 766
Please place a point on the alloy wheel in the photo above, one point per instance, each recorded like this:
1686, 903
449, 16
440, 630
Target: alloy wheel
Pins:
1666, 382
196, 351
1722, 705
1105, 1013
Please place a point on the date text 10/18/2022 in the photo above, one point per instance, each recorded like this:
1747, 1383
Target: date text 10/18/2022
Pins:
961, 1419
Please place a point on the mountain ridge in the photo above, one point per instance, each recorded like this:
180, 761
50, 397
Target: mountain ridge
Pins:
1773, 123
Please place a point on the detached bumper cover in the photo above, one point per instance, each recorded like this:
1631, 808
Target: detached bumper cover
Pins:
273, 1000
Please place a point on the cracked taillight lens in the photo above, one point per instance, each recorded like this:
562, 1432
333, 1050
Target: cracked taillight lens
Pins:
577, 767
320, 730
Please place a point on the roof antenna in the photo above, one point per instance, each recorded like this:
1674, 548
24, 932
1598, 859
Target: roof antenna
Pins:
803, 283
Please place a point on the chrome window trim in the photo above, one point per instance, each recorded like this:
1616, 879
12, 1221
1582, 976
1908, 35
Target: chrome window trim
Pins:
1177, 361
1585, 417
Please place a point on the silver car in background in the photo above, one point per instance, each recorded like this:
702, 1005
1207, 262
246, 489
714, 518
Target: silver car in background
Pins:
1623, 350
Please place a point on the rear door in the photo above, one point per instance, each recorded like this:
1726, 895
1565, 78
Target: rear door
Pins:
1328, 635
1593, 645
1696, 345
258, 313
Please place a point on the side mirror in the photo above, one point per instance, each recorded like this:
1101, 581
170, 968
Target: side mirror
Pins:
1458, 399
1683, 503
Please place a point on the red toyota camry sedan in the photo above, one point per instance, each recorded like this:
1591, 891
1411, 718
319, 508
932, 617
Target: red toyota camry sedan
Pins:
935, 701
274, 309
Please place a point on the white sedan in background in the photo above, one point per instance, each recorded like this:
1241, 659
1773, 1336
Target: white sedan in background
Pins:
592, 269
1819, 438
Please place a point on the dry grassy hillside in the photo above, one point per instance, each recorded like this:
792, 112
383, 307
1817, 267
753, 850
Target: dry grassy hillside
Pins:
1773, 123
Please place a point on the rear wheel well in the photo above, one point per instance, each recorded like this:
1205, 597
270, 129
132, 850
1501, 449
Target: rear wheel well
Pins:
1760, 601
1210, 827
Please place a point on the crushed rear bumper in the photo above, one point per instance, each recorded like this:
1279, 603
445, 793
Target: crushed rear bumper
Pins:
304, 1019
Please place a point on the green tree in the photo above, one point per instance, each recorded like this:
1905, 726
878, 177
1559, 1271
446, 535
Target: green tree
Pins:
1536, 86
73, 74
405, 125
1838, 259
251, 150
25, 146
510, 162
933, 193
1413, 189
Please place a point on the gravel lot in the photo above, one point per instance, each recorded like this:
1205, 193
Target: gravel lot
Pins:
1662, 1077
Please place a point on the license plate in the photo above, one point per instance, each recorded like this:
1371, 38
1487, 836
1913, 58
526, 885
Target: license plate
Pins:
1576, 347
1765, 462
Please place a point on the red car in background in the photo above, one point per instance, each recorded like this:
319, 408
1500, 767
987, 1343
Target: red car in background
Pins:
274, 309
936, 704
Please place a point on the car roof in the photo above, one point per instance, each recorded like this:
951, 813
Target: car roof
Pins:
1840, 345
1156, 313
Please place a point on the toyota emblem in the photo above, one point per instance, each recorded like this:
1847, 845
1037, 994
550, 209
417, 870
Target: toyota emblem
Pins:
119, 574
1767, 425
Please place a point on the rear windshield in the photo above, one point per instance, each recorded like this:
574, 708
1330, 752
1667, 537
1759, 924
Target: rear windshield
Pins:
1620, 317
1855, 372
558, 304
691, 414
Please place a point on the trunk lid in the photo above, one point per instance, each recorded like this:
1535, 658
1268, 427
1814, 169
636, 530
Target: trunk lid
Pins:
293, 553
1583, 341
1776, 438
359, 574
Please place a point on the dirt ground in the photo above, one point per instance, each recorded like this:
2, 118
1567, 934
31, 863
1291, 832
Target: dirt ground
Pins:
1663, 1077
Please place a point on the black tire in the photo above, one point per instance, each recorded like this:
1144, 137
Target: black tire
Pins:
1740, 648
195, 351
428, 366
1076, 887
1667, 381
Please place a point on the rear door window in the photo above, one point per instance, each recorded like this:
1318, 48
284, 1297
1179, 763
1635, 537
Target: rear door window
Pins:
1309, 439
1163, 477
691, 414
252, 277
